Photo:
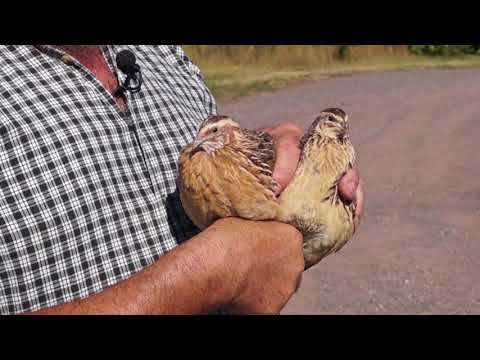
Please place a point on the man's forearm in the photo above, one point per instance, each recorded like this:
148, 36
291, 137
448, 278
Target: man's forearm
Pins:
192, 278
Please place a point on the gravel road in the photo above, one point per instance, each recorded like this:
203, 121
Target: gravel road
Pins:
417, 250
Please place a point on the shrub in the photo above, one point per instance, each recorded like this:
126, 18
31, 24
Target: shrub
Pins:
446, 50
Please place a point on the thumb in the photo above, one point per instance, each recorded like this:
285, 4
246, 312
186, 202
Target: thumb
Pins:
287, 157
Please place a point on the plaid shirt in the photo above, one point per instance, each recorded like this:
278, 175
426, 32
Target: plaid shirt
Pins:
87, 192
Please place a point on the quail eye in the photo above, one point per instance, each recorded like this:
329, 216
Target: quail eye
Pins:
215, 129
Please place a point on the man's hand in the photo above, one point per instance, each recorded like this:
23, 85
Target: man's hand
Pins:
287, 137
351, 189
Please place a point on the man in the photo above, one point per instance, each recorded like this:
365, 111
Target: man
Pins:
90, 220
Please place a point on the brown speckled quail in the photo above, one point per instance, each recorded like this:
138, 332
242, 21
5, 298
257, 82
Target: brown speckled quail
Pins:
227, 171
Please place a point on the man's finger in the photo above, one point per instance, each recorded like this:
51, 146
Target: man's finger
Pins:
287, 157
348, 184
360, 205
287, 138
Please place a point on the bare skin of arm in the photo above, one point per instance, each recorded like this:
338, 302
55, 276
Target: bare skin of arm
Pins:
240, 265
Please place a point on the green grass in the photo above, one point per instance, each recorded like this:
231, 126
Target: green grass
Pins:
229, 81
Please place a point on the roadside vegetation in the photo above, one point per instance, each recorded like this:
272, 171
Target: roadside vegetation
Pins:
232, 71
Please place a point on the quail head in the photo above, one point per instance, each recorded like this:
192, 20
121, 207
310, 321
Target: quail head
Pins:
227, 171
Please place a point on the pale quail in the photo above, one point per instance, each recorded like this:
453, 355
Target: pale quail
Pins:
311, 201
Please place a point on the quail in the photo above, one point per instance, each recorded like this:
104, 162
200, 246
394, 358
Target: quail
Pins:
311, 201
227, 171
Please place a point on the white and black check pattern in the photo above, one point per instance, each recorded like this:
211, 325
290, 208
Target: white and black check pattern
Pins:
87, 193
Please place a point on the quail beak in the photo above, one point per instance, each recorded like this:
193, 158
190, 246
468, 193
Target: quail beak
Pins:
344, 126
197, 147
342, 134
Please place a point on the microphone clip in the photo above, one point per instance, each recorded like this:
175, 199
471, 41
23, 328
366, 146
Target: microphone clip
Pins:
134, 77
126, 62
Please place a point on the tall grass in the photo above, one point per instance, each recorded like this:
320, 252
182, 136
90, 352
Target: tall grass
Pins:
288, 56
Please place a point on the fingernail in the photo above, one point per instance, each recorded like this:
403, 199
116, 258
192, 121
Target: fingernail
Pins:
353, 190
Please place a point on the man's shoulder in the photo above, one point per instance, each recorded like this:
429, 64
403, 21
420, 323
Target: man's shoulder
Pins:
173, 55
13, 58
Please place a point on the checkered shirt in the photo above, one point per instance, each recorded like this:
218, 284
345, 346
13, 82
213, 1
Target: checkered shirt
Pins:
88, 192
